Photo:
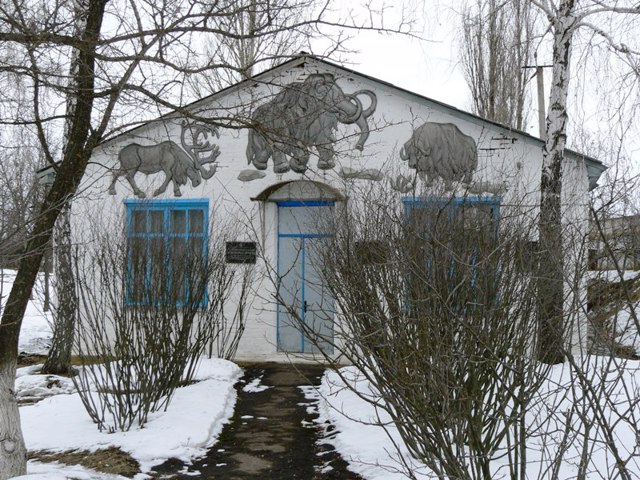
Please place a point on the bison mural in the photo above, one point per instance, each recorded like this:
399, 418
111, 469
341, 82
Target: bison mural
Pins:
441, 150
304, 115
178, 163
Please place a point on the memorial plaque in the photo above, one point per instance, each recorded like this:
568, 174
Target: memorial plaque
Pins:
240, 252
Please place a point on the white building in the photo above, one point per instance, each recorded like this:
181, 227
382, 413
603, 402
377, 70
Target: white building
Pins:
266, 181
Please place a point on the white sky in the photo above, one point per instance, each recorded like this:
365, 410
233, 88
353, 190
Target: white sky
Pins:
426, 67
429, 65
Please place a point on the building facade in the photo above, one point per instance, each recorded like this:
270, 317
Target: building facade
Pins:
255, 168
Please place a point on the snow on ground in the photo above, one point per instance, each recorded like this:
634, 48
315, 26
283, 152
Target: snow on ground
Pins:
57, 471
59, 422
358, 435
255, 386
626, 326
190, 425
612, 275
354, 426
198, 412
35, 333
32, 386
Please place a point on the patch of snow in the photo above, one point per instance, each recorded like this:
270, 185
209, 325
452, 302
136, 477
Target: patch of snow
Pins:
189, 426
612, 275
255, 386
359, 438
626, 328
32, 386
622, 321
57, 471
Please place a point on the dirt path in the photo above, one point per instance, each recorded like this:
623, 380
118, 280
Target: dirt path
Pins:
271, 436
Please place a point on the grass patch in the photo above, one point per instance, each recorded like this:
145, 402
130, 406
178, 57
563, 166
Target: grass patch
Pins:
112, 460
27, 359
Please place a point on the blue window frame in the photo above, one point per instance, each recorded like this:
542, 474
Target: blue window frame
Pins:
454, 206
452, 240
166, 251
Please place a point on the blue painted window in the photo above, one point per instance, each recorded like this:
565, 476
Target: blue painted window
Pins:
166, 251
454, 207
451, 244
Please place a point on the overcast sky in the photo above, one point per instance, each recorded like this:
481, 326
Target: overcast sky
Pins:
428, 66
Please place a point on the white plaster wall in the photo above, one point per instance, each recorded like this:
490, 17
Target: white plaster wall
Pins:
575, 213
505, 158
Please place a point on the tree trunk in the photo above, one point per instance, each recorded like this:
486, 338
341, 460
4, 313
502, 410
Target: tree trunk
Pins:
13, 454
76, 154
551, 264
59, 359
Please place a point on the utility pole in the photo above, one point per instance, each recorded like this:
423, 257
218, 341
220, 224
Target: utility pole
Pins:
541, 107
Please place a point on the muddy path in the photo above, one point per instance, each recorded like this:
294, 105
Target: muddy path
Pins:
272, 434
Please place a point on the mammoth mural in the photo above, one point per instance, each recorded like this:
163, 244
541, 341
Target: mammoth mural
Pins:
304, 115
441, 150
178, 163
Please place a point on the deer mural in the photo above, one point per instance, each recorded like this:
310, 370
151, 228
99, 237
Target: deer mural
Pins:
178, 163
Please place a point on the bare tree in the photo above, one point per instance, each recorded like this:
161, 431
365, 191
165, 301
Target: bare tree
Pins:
434, 303
498, 38
613, 23
19, 195
497, 41
247, 53
59, 357
58, 360
124, 68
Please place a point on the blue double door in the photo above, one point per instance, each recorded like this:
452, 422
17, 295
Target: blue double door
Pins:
305, 306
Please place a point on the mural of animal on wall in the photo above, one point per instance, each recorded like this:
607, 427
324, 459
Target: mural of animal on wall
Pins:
441, 150
178, 163
304, 115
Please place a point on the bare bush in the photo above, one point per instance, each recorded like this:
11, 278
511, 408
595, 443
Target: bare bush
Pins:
435, 305
145, 322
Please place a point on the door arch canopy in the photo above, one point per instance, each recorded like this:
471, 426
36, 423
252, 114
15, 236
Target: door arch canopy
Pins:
301, 190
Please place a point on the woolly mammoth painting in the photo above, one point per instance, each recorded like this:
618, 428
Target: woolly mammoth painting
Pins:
178, 163
302, 116
441, 150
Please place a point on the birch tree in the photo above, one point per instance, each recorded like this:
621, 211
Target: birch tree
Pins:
616, 25
128, 60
